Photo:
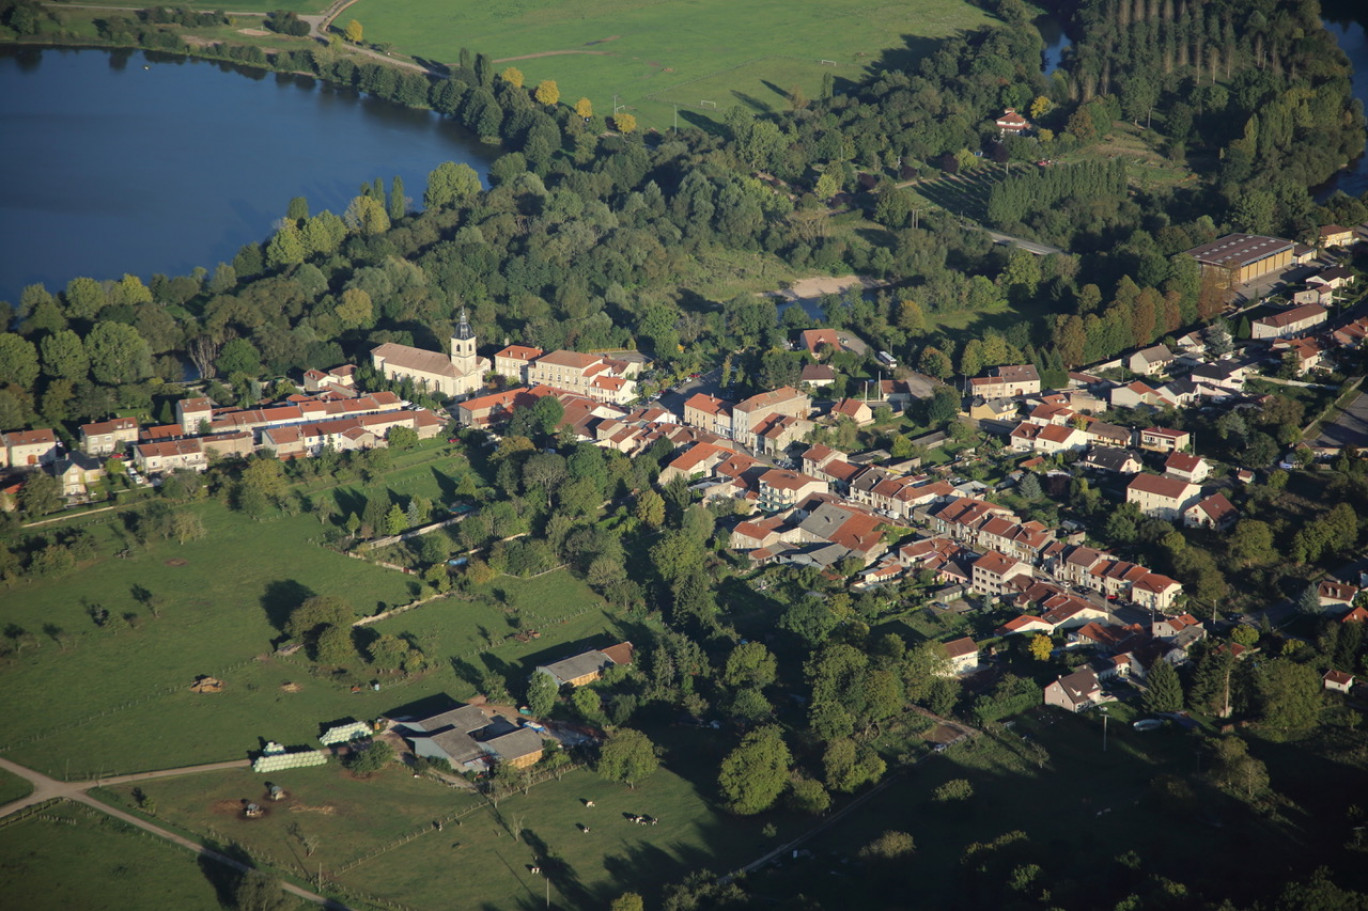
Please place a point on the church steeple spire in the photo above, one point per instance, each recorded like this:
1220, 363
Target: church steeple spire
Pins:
463, 330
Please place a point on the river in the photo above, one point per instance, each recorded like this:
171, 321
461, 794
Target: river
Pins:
131, 162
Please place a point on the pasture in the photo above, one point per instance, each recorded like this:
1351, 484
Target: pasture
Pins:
115, 697
120, 868
377, 840
654, 56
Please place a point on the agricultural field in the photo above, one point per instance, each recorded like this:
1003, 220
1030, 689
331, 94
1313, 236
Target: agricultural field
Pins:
121, 869
703, 57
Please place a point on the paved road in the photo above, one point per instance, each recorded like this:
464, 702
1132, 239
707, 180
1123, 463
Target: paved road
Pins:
45, 788
1030, 246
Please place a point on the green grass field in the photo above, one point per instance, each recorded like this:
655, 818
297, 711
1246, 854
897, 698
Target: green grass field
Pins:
120, 869
654, 55
12, 787
117, 699
484, 851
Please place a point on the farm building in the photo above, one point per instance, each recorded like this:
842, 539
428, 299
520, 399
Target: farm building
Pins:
1244, 257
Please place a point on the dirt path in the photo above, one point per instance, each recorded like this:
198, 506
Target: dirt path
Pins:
45, 788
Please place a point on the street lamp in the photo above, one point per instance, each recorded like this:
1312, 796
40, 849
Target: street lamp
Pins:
1103, 710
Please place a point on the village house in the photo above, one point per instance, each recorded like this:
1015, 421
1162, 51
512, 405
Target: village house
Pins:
993, 572
1100, 433
340, 380
855, 410
1011, 124
709, 413
818, 376
1187, 467
104, 438
1048, 439
1324, 295
1007, 382
77, 472
981, 409
1163, 439
749, 414
1289, 322
1156, 592
460, 373
820, 342
1137, 394
595, 376
782, 489
964, 656
192, 413
1076, 692
1334, 236
1106, 458
1335, 594
1215, 512
171, 455
28, 448
514, 361
1160, 497
1306, 353
1338, 681
1151, 360
1335, 277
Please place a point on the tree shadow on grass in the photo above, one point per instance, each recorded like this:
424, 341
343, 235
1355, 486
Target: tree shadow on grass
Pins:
282, 597
225, 878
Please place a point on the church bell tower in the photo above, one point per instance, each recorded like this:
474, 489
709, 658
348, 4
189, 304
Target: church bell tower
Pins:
463, 355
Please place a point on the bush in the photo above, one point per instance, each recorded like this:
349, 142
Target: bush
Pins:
370, 759
954, 789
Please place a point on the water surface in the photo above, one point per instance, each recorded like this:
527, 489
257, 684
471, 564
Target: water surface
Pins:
119, 162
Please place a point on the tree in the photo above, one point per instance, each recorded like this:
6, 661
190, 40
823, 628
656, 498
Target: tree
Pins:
891, 845
749, 664
625, 123
584, 108
755, 773
353, 32
848, 766
40, 495
317, 612
547, 92
118, 354
1288, 695
650, 509
451, 184
1041, 647
513, 76
1234, 768
366, 215
627, 901
286, 248
63, 356
806, 795
239, 356
628, 756
371, 758
541, 694
398, 202
256, 891
1163, 689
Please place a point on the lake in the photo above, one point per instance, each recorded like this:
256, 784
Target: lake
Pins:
132, 162
1353, 40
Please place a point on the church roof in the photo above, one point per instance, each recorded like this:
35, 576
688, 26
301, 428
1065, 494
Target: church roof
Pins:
416, 359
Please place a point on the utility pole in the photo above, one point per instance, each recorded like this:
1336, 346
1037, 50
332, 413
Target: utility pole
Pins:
1105, 716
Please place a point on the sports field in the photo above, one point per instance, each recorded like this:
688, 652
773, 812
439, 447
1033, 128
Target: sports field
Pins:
656, 54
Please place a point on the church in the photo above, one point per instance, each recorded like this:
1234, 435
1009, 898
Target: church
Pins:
460, 374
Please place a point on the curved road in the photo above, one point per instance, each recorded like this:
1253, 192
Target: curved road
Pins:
45, 788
